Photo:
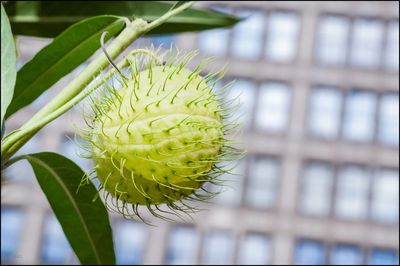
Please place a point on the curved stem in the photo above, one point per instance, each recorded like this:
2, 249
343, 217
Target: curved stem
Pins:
24, 133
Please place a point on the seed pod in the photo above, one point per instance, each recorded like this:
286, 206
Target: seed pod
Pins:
159, 137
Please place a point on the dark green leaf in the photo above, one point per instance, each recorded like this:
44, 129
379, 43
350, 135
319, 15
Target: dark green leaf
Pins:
60, 57
8, 64
52, 17
85, 223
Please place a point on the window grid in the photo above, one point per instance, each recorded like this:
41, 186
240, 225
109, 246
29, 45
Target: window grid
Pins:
310, 128
277, 107
383, 49
378, 122
383, 120
10, 248
254, 203
391, 49
372, 174
264, 251
374, 134
229, 50
248, 117
304, 190
222, 239
54, 246
366, 253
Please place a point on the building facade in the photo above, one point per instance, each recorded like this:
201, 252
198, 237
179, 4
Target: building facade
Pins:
319, 87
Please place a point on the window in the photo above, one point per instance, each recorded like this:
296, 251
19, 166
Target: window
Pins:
231, 191
255, 249
262, 183
352, 192
366, 43
218, 248
129, 241
383, 257
345, 254
392, 48
324, 112
309, 252
332, 38
55, 247
359, 116
389, 120
182, 246
214, 42
282, 37
273, 107
385, 196
247, 35
11, 229
242, 94
316, 188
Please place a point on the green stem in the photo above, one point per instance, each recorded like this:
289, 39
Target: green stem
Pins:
25, 132
73, 92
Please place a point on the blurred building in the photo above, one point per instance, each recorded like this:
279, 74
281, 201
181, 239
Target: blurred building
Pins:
319, 86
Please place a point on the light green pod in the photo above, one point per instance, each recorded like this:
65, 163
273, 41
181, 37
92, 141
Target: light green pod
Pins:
159, 138
165, 135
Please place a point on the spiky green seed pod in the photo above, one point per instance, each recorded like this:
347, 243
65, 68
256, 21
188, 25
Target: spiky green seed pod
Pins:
158, 138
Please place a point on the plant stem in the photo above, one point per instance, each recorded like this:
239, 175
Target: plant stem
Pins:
74, 92
25, 132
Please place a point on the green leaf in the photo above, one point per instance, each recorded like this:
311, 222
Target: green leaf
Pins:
85, 223
8, 64
60, 57
51, 18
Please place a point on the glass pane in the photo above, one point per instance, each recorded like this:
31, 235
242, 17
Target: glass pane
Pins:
129, 240
255, 249
214, 42
262, 185
392, 48
231, 192
55, 247
182, 246
346, 255
359, 116
385, 196
247, 35
282, 36
309, 252
352, 192
242, 94
324, 112
332, 38
316, 189
389, 120
218, 248
273, 107
383, 257
11, 232
367, 43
